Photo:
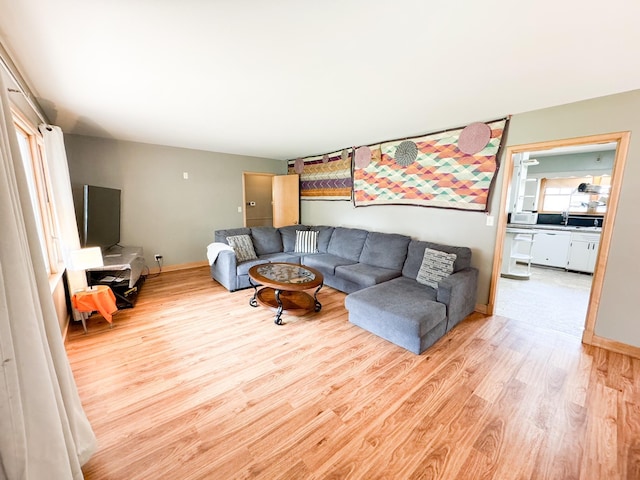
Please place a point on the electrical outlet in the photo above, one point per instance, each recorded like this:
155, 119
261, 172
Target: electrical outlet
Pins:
158, 257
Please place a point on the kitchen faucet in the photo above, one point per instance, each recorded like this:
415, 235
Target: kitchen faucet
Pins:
565, 218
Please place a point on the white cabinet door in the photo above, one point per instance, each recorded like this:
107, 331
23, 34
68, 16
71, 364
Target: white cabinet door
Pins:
579, 256
551, 248
583, 252
593, 258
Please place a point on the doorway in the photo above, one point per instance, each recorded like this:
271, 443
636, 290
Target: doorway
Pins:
600, 255
258, 199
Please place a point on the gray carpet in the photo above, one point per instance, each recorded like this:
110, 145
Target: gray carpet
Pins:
551, 298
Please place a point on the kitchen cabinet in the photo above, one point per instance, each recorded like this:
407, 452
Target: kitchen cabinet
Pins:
583, 252
551, 248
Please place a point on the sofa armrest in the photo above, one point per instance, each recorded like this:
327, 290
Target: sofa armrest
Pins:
225, 271
458, 292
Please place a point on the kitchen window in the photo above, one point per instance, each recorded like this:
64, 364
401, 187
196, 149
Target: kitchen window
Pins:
562, 195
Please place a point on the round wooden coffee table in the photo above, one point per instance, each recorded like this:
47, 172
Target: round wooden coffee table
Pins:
283, 288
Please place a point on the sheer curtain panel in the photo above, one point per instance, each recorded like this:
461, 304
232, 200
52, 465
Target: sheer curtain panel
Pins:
67, 227
44, 432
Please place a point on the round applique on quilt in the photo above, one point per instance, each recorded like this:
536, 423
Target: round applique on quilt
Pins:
474, 138
363, 157
406, 153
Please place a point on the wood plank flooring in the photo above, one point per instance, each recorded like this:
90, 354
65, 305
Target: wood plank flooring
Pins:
193, 383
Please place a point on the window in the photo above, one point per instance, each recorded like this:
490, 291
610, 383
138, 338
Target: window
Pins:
32, 153
562, 195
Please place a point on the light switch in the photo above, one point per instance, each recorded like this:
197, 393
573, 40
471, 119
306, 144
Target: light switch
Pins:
489, 220
185, 175
239, 209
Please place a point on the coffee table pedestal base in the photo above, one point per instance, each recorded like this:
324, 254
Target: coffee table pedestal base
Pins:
295, 303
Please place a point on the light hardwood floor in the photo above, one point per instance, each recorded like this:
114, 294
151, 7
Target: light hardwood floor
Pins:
193, 383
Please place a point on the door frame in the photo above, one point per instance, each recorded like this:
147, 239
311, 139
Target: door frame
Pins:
622, 139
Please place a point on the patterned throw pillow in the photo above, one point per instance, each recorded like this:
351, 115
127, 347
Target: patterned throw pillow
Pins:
306, 241
436, 266
243, 247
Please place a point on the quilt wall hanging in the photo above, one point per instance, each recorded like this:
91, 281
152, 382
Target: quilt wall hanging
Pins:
450, 169
324, 177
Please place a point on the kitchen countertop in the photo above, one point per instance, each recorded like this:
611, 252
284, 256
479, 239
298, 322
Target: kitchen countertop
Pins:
558, 228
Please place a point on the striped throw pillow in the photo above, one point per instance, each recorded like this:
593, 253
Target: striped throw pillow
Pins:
436, 266
243, 247
306, 241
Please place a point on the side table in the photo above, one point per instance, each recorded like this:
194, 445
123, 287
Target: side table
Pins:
98, 298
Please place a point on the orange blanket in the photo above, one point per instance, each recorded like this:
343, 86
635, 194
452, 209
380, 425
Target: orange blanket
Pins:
99, 298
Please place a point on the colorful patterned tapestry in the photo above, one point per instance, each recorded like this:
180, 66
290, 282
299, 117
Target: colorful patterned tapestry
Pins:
451, 169
324, 177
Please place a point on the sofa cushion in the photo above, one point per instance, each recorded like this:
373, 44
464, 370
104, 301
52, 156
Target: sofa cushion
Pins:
324, 237
436, 266
243, 247
347, 243
386, 250
287, 257
266, 240
325, 263
221, 235
243, 268
415, 254
306, 241
365, 275
288, 234
401, 305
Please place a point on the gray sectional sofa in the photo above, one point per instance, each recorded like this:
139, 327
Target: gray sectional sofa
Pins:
377, 270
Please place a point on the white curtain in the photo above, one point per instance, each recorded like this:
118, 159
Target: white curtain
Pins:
67, 227
44, 432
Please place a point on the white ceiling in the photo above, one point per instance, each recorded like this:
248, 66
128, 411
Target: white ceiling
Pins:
289, 78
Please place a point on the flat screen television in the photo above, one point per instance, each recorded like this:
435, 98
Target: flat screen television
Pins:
99, 222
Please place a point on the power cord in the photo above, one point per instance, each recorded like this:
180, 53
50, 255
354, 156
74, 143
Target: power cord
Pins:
159, 261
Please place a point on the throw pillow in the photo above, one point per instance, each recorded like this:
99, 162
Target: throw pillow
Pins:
306, 241
243, 247
436, 266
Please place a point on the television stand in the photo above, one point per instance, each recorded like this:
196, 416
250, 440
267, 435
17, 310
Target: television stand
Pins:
122, 271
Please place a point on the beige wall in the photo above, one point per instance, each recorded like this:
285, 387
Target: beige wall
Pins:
617, 315
161, 211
